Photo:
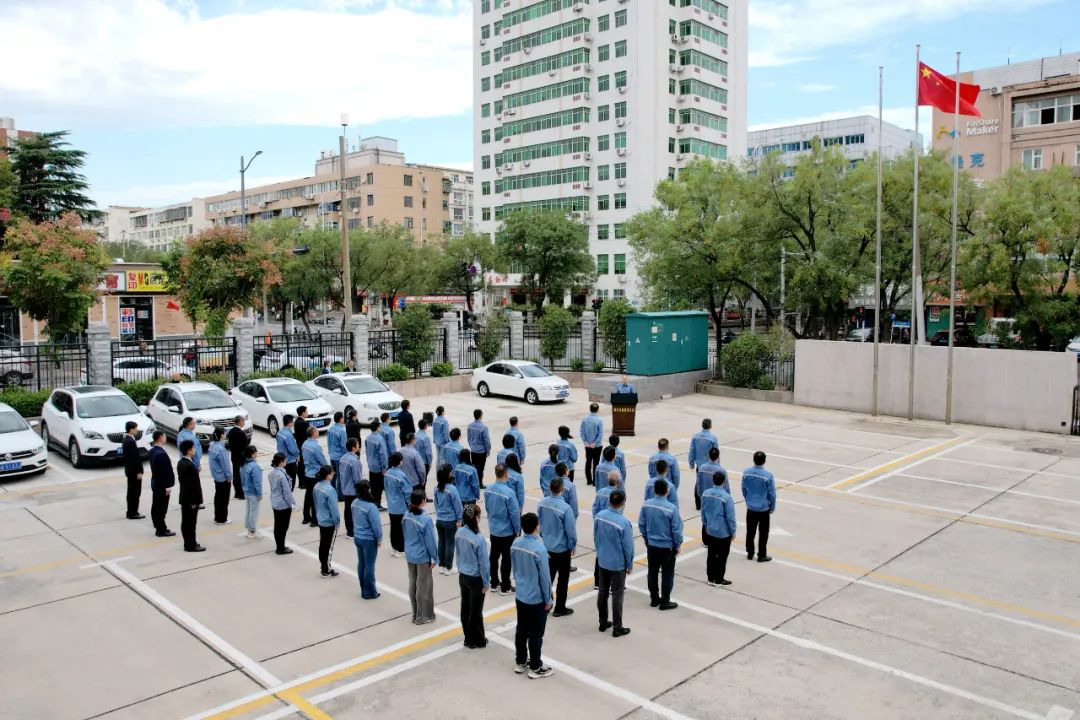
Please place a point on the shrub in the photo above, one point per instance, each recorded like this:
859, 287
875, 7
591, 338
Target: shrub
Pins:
26, 402
442, 369
576, 310
554, 327
393, 372
612, 324
746, 361
577, 365
222, 380
289, 373
416, 335
141, 391
598, 367
490, 338
437, 310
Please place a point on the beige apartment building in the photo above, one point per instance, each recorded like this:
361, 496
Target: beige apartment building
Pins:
380, 187
1030, 117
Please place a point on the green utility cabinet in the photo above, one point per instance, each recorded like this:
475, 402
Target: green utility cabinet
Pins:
661, 343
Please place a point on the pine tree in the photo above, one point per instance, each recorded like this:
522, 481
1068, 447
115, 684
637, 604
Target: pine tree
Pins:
49, 181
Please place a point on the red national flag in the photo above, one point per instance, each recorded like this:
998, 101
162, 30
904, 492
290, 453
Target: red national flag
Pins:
940, 91
171, 305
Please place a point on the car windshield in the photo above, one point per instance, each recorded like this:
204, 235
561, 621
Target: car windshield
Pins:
289, 392
362, 386
106, 406
12, 422
534, 371
208, 399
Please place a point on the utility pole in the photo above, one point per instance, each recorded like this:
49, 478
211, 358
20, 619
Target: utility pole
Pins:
243, 203
346, 275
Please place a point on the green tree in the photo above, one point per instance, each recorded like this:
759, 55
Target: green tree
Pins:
745, 362
459, 267
416, 335
220, 271
7, 183
385, 260
309, 278
613, 327
133, 252
489, 339
50, 181
56, 270
550, 250
555, 327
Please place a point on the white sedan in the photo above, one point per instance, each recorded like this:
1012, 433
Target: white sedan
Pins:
357, 391
22, 451
305, 359
1074, 345
520, 378
134, 369
269, 400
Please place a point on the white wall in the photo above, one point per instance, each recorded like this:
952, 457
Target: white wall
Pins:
1002, 388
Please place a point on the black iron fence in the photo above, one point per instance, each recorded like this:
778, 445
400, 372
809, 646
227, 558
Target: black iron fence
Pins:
1075, 427
386, 348
574, 350
609, 363
772, 373
174, 359
41, 367
307, 354
470, 355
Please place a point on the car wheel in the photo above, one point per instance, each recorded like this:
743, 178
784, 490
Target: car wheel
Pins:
349, 409
45, 436
13, 378
272, 426
75, 455
483, 389
531, 397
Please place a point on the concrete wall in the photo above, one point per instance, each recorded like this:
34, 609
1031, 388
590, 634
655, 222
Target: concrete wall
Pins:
1001, 388
650, 388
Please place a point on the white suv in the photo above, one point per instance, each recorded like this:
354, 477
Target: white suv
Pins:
87, 422
21, 450
207, 403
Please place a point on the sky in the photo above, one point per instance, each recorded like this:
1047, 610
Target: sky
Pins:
166, 95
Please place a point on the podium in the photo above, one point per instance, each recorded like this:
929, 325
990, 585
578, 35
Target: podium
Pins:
623, 413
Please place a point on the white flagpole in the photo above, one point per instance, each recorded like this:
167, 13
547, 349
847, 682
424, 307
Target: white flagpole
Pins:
914, 251
877, 258
952, 249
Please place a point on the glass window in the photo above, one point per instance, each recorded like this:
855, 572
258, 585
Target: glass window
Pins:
620, 201
485, 111
543, 122
407, 179
485, 58
601, 268
603, 112
620, 140
485, 162
408, 223
370, 200
620, 109
603, 172
671, 115
603, 202
547, 92
620, 263
603, 53
485, 213
542, 179
620, 18
620, 49
603, 232
603, 23
620, 231
485, 33
408, 201
671, 173
603, 142
671, 86
603, 83
371, 178
485, 136
620, 79
671, 145
485, 84
620, 171
1033, 159
485, 187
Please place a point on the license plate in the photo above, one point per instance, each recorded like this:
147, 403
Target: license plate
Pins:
564, 393
318, 423
8, 466
394, 414
119, 449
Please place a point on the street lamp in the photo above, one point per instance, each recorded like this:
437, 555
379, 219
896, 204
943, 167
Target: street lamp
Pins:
243, 197
783, 260
346, 275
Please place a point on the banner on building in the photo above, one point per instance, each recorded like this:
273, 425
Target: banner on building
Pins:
146, 281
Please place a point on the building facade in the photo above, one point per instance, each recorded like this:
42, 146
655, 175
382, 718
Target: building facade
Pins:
856, 137
584, 105
9, 134
155, 228
379, 187
1030, 117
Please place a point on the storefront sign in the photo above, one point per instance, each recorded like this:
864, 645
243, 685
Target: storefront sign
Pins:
146, 281
127, 321
988, 126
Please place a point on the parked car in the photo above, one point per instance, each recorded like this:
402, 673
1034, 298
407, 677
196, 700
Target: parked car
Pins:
307, 359
133, 369
207, 403
346, 391
87, 422
992, 336
1073, 346
205, 358
15, 368
964, 337
268, 401
860, 335
520, 378
22, 451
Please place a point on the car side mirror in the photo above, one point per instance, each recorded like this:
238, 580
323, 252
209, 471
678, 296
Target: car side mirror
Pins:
143, 409
174, 409
341, 391
261, 399
35, 423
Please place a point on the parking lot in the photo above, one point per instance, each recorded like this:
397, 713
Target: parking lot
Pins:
920, 571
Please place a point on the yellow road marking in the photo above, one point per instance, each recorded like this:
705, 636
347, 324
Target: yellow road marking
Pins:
304, 706
892, 465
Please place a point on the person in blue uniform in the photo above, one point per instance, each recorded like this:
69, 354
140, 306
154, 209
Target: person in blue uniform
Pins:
421, 554
504, 524
519, 439
440, 432
718, 526
624, 385
326, 514
286, 445
367, 536
479, 443
558, 530
661, 527
704, 475
759, 492
592, 436
701, 443
448, 514
532, 580
378, 460
662, 453
567, 450
474, 579
613, 536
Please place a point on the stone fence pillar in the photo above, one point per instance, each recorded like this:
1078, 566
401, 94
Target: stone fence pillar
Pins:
244, 332
588, 339
360, 326
99, 363
517, 335
453, 340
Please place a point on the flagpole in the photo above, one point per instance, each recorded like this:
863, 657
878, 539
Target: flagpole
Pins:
877, 257
914, 250
952, 248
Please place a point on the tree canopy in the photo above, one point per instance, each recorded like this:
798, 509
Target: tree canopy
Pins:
460, 264
550, 250
49, 181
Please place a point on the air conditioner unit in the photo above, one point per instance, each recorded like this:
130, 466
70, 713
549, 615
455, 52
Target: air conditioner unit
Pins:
680, 156
587, 69
309, 197
675, 39
680, 99
679, 69
586, 215
356, 211
673, 68
679, 128
621, 152
588, 156
622, 89
711, 16
621, 182
527, 50
551, 73
498, 170
526, 163
578, 7
586, 96
622, 279
586, 186
684, 39
587, 37
509, 112
498, 116
508, 167
620, 121
995, 90
483, 41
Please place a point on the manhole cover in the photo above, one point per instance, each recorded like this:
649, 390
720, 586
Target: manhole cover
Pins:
1046, 451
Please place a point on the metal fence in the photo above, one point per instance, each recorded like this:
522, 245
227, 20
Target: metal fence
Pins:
470, 356
610, 364
386, 348
302, 352
183, 359
781, 370
42, 367
574, 348
1075, 428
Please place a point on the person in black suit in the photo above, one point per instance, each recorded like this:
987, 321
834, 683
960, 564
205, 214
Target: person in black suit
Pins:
352, 426
190, 495
133, 469
238, 445
162, 479
300, 428
406, 425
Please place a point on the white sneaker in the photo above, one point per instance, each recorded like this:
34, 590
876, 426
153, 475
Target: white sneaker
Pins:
442, 570
451, 571
543, 672
395, 554
521, 669
712, 584
253, 536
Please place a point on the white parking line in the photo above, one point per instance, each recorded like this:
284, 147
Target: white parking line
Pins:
902, 468
822, 442
989, 488
1029, 471
800, 504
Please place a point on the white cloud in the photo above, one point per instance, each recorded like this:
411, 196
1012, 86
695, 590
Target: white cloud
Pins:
816, 88
789, 31
153, 63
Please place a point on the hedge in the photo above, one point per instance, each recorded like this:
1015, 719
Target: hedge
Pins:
26, 402
290, 373
393, 372
442, 369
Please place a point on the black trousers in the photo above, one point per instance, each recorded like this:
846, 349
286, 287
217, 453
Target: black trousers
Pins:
559, 563
326, 546
282, 518
500, 561
188, 516
697, 497
529, 636
290, 470
447, 531
472, 609
592, 459
757, 523
397, 532
716, 561
221, 501
348, 514
238, 487
134, 492
309, 499
661, 573
613, 583
479, 461
376, 488
159, 505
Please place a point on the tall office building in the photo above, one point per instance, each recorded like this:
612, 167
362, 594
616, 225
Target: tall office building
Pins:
584, 105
